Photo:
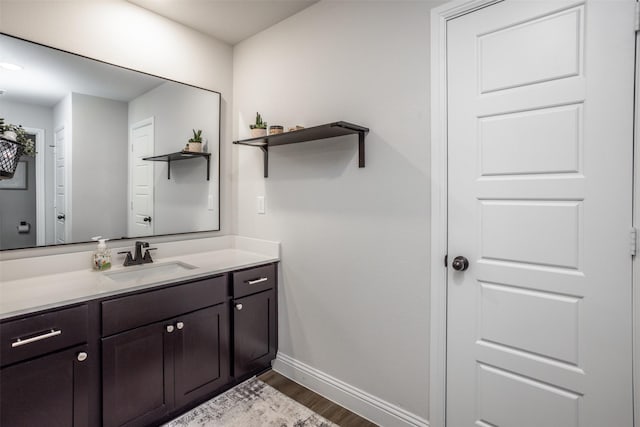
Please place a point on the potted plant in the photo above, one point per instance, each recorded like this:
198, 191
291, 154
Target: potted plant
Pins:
195, 142
259, 128
13, 144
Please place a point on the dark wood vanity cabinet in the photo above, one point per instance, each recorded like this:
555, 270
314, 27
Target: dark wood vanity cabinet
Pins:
254, 320
45, 378
150, 371
139, 358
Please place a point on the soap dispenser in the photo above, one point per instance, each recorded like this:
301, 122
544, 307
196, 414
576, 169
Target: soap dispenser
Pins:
102, 255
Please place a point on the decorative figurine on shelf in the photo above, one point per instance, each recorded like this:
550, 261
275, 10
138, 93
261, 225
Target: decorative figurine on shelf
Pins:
195, 142
259, 128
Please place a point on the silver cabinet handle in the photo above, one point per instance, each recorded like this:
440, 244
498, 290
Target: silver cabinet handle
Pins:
82, 356
179, 325
238, 307
169, 328
260, 280
19, 342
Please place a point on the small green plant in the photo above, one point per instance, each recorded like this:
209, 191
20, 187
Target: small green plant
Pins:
259, 123
197, 136
21, 137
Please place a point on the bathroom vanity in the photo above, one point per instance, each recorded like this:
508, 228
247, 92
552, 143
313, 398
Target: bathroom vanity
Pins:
142, 354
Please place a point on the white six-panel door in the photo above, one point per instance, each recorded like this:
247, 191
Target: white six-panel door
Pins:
540, 140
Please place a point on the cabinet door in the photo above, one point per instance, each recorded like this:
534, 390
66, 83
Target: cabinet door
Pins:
137, 376
201, 353
48, 391
254, 336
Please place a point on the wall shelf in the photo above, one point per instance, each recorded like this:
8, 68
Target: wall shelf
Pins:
180, 155
329, 130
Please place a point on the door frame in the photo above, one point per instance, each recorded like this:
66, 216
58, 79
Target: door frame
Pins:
439, 225
67, 180
439, 187
40, 184
132, 127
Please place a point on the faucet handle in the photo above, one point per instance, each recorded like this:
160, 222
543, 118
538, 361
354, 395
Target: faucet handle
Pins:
147, 255
129, 259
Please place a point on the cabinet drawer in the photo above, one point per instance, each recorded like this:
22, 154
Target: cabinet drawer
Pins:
254, 280
42, 333
129, 312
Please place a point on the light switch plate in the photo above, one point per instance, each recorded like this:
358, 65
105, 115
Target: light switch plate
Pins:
260, 205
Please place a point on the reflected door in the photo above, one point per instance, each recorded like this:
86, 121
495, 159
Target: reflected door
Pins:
59, 209
540, 121
141, 218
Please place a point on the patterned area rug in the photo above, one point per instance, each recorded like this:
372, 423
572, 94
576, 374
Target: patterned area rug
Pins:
251, 404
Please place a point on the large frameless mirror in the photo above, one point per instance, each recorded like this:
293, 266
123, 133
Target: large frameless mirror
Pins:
112, 150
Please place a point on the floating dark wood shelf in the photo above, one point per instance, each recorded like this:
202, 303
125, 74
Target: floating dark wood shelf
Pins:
180, 155
329, 130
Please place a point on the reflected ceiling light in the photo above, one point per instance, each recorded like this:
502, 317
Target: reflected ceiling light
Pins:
10, 66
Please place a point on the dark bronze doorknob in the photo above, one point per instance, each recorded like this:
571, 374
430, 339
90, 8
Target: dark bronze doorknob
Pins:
61, 216
147, 219
460, 263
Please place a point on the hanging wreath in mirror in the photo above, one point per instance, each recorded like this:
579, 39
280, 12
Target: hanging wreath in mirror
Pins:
14, 143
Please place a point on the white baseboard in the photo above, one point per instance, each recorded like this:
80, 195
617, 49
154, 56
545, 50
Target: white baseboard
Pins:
362, 403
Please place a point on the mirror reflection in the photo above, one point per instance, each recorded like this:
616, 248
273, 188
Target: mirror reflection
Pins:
113, 156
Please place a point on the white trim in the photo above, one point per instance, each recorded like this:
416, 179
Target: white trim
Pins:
438, 337
40, 183
358, 401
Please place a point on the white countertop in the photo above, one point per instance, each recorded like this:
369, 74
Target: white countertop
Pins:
22, 295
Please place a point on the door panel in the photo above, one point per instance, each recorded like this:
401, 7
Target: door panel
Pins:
137, 376
525, 399
254, 334
540, 121
202, 353
60, 208
540, 141
505, 64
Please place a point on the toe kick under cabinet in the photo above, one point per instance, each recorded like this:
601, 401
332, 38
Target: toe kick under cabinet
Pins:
140, 358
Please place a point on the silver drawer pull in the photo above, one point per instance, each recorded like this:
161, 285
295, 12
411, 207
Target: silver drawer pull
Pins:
260, 280
19, 342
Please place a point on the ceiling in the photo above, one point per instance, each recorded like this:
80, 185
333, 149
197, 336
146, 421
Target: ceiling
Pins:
228, 20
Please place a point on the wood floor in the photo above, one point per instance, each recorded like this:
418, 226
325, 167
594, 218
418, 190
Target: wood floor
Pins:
318, 404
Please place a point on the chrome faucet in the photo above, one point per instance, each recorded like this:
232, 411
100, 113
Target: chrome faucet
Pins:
138, 258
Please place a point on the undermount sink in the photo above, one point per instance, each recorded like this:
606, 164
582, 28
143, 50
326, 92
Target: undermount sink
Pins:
149, 271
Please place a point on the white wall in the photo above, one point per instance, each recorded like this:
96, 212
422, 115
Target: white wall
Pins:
354, 296
124, 34
182, 201
99, 203
30, 116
